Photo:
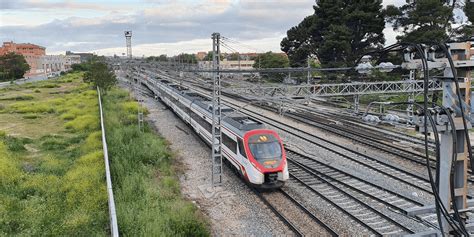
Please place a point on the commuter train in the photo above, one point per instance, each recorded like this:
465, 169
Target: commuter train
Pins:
256, 152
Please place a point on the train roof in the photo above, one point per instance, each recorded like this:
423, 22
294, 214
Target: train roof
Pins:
234, 118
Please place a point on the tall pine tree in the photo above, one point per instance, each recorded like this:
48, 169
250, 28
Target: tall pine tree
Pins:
422, 21
338, 33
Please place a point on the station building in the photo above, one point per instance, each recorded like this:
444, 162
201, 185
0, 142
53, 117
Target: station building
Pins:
31, 52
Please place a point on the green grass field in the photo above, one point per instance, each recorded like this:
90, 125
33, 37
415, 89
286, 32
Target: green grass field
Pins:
51, 165
52, 177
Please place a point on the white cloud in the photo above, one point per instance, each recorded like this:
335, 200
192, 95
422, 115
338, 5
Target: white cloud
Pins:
193, 46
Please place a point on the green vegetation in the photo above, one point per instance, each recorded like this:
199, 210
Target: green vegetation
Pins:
52, 175
146, 189
99, 75
272, 60
51, 172
12, 66
422, 21
338, 33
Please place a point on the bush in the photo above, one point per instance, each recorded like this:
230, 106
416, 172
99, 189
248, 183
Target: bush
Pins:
31, 116
57, 188
145, 206
83, 123
19, 97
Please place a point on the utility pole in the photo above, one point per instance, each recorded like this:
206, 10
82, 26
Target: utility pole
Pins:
216, 141
309, 73
451, 183
128, 39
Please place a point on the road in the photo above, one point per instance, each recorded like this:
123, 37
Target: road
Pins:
24, 80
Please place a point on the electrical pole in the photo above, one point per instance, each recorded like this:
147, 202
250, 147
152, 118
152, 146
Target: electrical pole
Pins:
309, 73
216, 141
451, 182
128, 38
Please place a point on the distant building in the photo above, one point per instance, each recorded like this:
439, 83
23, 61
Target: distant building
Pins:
227, 64
52, 64
31, 52
201, 55
84, 56
70, 60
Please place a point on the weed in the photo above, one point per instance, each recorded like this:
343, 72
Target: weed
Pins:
19, 97
83, 123
57, 188
145, 207
31, 116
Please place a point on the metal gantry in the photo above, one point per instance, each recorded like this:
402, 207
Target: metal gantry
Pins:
340, 89
216, 152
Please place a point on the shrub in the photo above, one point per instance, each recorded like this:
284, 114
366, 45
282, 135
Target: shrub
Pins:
83, 123
50, 85
31, 116
145, 206
9, 170
19, 97
23, 108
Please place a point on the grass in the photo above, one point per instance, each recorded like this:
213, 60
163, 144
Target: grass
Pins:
51, 168
146, 188
52, 177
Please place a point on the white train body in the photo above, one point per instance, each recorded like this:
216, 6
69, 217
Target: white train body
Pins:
257, 153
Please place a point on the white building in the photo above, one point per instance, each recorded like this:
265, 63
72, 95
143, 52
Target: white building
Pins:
227, 64
52, 64
70, 60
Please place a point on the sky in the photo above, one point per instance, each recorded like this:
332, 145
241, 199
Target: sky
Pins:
158, 26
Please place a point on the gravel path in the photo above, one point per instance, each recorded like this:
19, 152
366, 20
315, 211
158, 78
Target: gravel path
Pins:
231, 209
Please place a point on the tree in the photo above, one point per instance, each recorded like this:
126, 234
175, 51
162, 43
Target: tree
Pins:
100, 75
272, 60
338, 33
13, 66
422, 21
466, 31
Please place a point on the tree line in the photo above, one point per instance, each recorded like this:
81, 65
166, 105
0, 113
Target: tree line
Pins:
339, 32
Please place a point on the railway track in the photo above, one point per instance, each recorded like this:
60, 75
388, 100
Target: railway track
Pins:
314, 175
293, 214
386, 169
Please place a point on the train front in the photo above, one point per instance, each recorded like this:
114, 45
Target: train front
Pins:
266, 154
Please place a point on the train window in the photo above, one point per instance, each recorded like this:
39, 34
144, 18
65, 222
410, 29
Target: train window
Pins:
264, 147
229, 143
241, 148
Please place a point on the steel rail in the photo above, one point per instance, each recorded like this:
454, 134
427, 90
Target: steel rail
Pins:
365, 139
316, 172
110, 193
365, 205
278, 125
335, 205
277, 213
275, 124
309, 213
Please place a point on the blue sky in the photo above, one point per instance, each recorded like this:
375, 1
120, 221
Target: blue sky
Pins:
159, 26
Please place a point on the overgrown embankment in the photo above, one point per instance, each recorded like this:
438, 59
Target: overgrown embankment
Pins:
52, 177
146, 188
51, 161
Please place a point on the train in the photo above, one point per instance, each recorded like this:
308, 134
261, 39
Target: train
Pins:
256, 152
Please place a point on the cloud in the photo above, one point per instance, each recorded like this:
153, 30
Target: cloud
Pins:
155, 23
47, 5
193, 46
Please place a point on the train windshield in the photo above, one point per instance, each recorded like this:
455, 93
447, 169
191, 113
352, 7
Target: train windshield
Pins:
265, 147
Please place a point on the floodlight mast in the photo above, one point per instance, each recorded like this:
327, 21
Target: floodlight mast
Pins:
128, 39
